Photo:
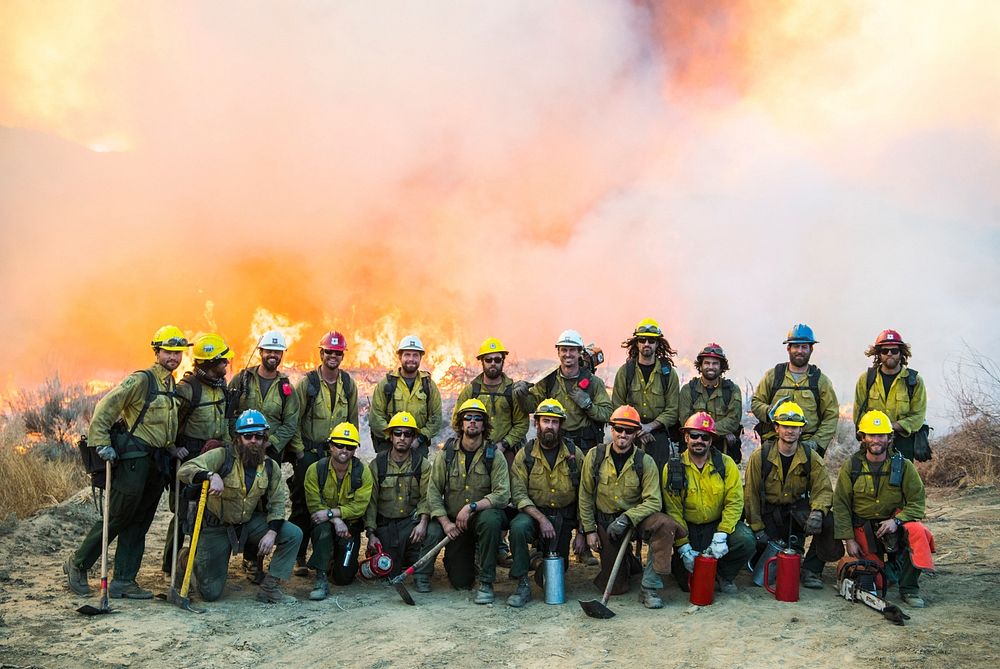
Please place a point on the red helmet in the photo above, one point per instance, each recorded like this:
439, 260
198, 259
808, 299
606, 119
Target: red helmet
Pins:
626, 415
701, 421
711, 350
333, 341
886, 337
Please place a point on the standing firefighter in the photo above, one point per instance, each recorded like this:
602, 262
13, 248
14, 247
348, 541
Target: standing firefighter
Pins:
328, 396
581, 392
788, 492
338, 489
896, 390
201, 414
466, 495
702, 492
133, 427
877, 504
397, 515
544, 482
418, 395
712, 393
802, 383
245, 508
648, 381
509, 422
269, 391
619, 489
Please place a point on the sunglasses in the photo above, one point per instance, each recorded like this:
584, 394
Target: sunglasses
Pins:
889, 351
623, 430
474, 417
400, 432
348, 447
255, 436
329, 352
699, 436
493, 360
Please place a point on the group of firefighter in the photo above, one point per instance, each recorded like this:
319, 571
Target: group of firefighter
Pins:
668, 478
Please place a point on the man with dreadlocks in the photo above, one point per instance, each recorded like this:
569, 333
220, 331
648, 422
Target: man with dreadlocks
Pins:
648, 382
891, 387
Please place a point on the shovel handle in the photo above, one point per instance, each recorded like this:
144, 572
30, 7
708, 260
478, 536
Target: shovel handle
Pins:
104, 535
617, 566
194, 540
430, 555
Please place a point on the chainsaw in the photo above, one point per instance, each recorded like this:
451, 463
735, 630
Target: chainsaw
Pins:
864, 581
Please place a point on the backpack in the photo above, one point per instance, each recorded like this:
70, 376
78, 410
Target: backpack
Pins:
451, 446
390, 389
677, 478
382, 466
630, 375
813, 374
911, 385
601, 452
192, 491
895, 470
243, 390
197, 384
591, 390
312, 391
766, 466
574, 466
323, 473
726, 386
477, 389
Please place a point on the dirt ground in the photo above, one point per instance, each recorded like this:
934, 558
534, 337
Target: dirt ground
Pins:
367, 625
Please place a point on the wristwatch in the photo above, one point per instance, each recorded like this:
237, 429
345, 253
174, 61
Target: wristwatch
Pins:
329, 514
473, 506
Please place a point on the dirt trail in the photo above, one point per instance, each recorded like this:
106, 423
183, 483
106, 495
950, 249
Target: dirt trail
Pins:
367, 625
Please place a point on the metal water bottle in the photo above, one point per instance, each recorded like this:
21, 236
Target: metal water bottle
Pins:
348, 552
773, 547
552, 570
702, 580
786, 584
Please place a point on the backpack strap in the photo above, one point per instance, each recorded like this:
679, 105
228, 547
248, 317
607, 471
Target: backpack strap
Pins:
529, 457
322, 474
676, 476
550, 382
600, 451
779, 378
664, 377
728, 388
477, 390
718, 463
812, 375
638, 463
357, 473
312, 391
390, 392
349, 391
629, 378
382, 466
284, 389
911, 382
574, 464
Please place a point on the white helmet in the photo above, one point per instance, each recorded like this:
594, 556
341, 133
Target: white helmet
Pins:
570, 338
410, 343
273, 341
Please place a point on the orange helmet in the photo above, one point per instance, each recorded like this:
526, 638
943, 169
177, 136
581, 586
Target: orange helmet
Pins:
701, 421
888, 338
626, 415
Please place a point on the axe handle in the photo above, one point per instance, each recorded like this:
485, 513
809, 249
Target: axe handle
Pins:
430, 555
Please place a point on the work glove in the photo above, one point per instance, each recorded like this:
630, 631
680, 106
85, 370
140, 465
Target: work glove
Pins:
719, 545
762, 537
688, 555
520, 389
814, 523
107, 453
618, 528
581, 398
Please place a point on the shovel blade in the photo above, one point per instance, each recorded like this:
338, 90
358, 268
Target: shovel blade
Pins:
89, 610
183, 602
596, 609
403, 592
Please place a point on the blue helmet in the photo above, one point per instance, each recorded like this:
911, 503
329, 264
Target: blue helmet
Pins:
251, 420
800, 334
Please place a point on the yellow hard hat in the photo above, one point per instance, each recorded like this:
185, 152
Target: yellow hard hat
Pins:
345, 433
875, 422
472, 405
401, 419
491, 345
170, 338
789, 413
211, 346
550, 407
648, 327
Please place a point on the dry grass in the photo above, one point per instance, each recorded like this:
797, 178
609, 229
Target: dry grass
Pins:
32, 481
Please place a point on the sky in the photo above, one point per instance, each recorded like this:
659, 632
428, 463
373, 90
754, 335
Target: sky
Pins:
472, 169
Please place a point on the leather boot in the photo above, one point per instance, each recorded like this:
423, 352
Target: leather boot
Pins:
77, 578
522, 595
270, 592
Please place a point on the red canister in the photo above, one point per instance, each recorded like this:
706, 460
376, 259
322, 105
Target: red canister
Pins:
786, 584
702, 580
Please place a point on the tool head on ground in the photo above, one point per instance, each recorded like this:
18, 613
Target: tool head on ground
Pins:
345, 434
647, 327
598, 608
251, 421
552, 408
401, 419
174, 597
210, 347
626, 416
397, 581
789, 413
570, 338
170, 338
889, 338
272, 340
410, 342
701, 421
333, 341
875, 422
800, 334
489, 346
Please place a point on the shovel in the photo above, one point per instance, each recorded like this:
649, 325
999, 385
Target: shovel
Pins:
181, 598
599, 608
87, 609
397, 581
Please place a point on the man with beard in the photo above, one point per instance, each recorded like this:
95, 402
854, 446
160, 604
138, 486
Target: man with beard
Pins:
467, 492
544, 482
877, 503
245, 507
269, 391
201, 416
397, 515
702, 492
509, 422
891, 387
418, 395
338, 490
648, 382
712, 393
133, 424
328, 396
619, 489
798, 381
788, 493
